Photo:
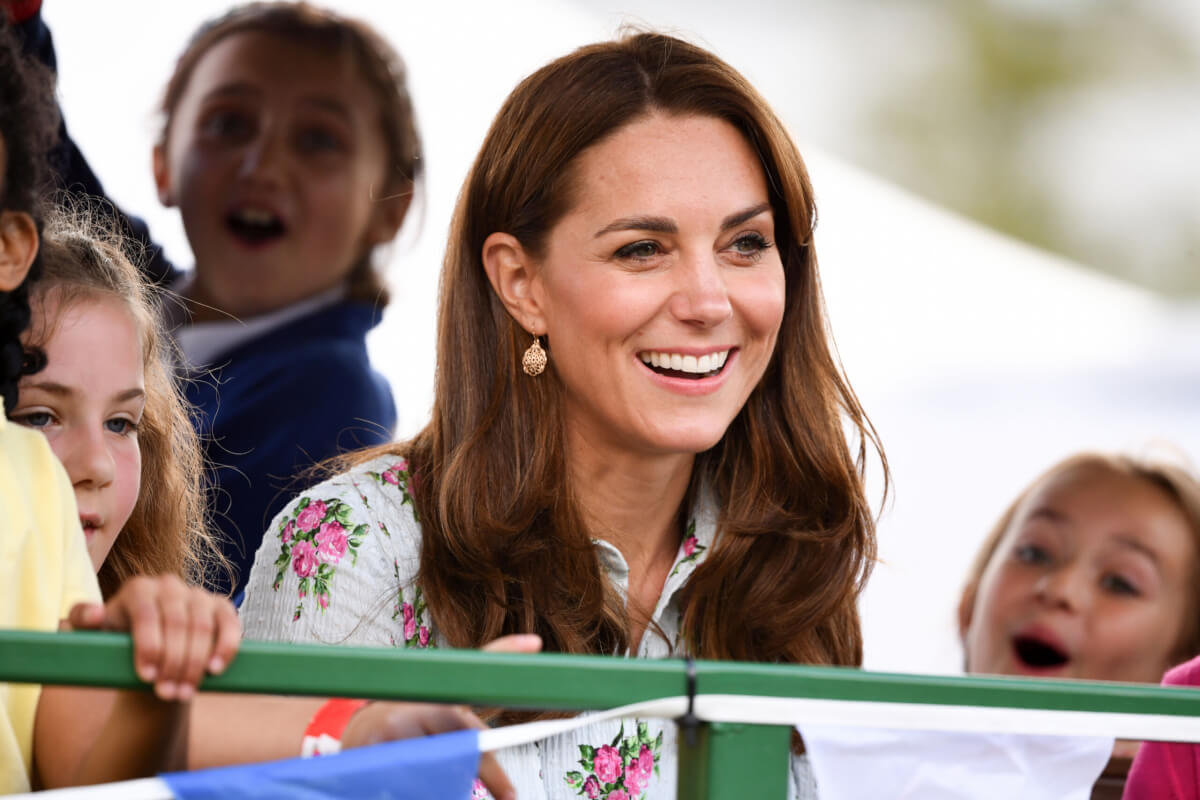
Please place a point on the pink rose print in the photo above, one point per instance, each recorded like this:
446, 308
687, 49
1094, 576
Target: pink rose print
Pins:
423, 638
311, 516
608, 764
591, 787
391, 477
689, 546
331, 542
637, 774
410, 624
323, 599
479, 791
304, 558
618, 794
288, 532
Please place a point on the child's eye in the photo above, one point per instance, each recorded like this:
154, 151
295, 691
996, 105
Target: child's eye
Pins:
120, 426
235, 125
751, 244
639, 251
317, 140
1119, 584
34, 419
1032, 554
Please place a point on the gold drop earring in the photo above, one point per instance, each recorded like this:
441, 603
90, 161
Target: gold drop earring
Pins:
534, 360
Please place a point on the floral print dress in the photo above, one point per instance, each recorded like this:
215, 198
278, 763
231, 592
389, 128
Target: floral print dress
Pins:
338, 566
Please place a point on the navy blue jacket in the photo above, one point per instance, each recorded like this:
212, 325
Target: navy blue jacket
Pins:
274, 407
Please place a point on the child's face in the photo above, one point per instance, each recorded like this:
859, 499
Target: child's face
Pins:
88, 401
276, 160
1093, 580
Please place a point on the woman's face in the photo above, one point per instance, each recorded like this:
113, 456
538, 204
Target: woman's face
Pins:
88, 401
662, 289
1093, 579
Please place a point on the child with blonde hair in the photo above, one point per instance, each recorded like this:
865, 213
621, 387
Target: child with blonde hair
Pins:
1091, 573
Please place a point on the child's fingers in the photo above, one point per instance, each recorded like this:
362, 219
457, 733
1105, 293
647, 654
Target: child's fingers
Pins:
176, 640
86, 616
228, 635
200, 634
135, 608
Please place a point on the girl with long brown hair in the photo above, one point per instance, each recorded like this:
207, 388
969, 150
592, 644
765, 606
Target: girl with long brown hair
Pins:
639, 435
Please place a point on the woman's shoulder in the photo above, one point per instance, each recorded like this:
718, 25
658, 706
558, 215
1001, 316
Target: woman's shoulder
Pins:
332, 552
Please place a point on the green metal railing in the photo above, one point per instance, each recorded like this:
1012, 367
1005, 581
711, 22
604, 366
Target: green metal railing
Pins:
726, 760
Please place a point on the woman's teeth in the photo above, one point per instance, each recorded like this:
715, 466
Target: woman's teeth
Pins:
709, 363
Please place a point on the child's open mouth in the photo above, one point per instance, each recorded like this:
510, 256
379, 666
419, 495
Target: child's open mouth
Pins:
1037, 653
677, 365
255, 226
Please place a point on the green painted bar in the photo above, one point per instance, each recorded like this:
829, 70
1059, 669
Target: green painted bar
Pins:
841, 683
556, 681
550, 681
734, 762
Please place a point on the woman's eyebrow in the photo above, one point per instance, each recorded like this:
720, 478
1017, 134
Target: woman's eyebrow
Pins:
667, 225
654, 224
738, 217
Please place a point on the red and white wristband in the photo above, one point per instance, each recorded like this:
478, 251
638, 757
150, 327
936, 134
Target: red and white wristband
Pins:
323, 736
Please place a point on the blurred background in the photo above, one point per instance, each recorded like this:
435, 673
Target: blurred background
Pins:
1009, 235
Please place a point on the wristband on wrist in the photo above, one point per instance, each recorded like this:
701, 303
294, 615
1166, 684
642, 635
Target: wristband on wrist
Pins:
323, 736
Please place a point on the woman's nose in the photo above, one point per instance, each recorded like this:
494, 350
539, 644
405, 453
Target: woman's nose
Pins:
701, 296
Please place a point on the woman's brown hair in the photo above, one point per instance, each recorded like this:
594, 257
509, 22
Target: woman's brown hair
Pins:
1174, 480
167, 530
380, 67
505, 547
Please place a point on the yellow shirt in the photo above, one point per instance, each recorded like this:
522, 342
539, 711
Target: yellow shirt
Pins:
44, 570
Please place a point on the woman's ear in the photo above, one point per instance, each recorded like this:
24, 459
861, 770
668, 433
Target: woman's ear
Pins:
515, 281
18, 246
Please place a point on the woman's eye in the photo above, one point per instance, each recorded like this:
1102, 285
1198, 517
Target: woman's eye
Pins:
235, 125
35, 419
1032, 554
750, 244
120, 426
639, 251
1119, 584
316, 140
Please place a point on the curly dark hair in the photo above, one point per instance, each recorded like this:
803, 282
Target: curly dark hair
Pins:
28, 128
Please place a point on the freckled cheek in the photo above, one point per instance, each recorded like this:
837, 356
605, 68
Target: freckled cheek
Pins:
761, 305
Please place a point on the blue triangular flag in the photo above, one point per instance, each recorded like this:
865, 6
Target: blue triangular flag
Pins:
438, 767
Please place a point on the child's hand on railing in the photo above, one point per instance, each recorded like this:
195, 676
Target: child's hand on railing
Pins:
380, 722
178, 631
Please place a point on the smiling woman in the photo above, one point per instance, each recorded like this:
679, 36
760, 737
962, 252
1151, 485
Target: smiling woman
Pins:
677, 480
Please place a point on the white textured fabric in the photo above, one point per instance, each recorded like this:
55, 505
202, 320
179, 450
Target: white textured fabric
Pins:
338, 566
